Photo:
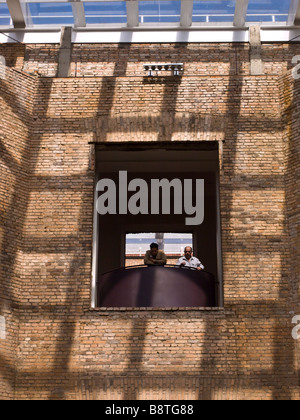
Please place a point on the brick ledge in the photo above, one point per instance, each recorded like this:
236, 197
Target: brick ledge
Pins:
171, 309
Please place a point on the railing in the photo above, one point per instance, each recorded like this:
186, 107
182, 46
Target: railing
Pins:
156, 286
129, 267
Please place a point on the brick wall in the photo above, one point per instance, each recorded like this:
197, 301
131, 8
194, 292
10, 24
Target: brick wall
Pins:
14, 55
67, 350
16, 94
290, 108
105, 60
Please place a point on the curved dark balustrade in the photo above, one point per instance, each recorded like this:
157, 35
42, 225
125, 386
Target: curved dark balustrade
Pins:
156, 286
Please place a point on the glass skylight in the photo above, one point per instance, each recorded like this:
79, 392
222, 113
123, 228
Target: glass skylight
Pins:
51, 13
105, 12
176, 13
213, 10
268, 11
159, 11
4, 15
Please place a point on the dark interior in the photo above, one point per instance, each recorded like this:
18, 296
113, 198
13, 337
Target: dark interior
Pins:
148, 162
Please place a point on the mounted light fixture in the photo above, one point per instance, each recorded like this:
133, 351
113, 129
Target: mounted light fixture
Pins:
176, 68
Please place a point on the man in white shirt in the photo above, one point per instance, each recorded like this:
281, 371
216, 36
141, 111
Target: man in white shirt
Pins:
189, 260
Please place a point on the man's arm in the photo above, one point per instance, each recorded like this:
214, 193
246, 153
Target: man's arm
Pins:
147, 259
200, 266
161, 260
181, 262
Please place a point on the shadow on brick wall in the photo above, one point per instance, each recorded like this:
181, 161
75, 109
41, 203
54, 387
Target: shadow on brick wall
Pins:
64, 378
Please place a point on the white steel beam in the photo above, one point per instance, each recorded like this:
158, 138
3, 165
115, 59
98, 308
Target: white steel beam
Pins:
294, 13
79, 14
132, 7
240, 14
17, 13
186, 15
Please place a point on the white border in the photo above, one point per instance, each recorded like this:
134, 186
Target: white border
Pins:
84, 36
276, 35
31, 37
141, 37
113, 36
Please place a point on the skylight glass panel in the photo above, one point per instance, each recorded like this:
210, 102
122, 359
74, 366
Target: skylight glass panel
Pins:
105, 12
159, 11
4, 15
51, 13
268, 10
214, 10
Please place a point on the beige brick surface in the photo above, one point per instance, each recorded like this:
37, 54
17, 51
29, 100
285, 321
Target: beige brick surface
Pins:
55, 345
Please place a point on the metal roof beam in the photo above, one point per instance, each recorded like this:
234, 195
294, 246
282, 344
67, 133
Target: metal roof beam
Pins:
132, 7
240, 14
17, 13
294, 13
186, 15
79, 14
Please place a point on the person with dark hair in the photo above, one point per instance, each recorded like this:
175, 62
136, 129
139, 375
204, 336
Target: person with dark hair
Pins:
155, 256
189, 260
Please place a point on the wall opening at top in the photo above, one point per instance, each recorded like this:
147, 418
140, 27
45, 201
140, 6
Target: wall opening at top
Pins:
127, 201
173, 244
